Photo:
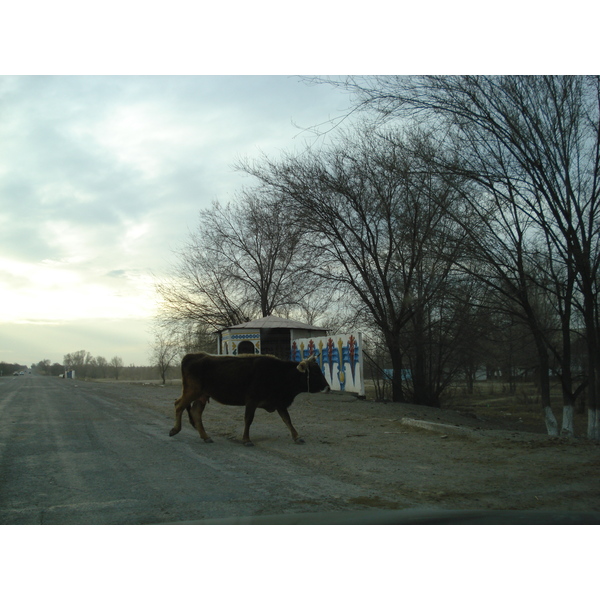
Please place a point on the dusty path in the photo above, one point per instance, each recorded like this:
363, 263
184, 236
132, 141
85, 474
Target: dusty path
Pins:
86, 452
76, 452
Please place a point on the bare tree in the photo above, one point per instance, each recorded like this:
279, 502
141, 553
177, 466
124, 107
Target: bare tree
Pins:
194, 337
372, 214
44, 367
200, 291
116, 362
242, 262
79, 362
165, 351
535, 141
102, 366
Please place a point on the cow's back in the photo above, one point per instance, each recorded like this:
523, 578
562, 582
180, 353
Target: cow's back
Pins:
237, 379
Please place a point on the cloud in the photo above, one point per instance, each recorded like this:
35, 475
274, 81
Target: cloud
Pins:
101, 178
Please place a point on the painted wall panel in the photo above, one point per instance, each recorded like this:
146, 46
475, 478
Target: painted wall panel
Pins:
339, 356
231, 339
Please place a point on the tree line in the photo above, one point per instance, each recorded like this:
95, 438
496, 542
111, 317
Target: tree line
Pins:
84, 364
87, 366
10, 368
457, 222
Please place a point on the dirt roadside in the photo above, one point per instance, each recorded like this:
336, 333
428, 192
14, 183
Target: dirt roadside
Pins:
410, 456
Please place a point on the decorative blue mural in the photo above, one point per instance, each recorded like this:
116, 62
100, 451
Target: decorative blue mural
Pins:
340, 359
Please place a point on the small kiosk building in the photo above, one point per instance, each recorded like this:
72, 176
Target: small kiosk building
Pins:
268, 335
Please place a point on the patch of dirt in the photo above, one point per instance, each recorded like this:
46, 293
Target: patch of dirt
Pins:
408, 456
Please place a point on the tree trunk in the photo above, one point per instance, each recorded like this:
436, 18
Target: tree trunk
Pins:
470, 380
544, 380
422, 389
593, 412
397, 389
393, 347
418, 375
551, 422
566, 370
593, 423
592, 364
568, 427
566, 376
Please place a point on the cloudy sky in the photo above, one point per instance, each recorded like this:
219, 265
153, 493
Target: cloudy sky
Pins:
101, 178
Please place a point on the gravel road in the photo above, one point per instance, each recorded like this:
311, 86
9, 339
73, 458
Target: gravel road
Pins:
77, 452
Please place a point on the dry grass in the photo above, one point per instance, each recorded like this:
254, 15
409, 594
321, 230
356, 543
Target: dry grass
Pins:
492, 400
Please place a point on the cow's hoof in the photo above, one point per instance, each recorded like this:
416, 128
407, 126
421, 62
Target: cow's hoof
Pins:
248, 443
173, 432
208, 440
299, 441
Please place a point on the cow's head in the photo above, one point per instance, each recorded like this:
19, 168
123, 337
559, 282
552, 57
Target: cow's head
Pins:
316, 381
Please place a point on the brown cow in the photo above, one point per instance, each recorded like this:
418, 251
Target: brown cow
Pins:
250, 380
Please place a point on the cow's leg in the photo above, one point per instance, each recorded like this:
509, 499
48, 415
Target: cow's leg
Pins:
195, 413
285, 415
182, 403
248, 418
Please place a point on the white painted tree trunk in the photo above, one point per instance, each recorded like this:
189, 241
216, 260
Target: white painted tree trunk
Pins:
568, 426
551, 422
593, 424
